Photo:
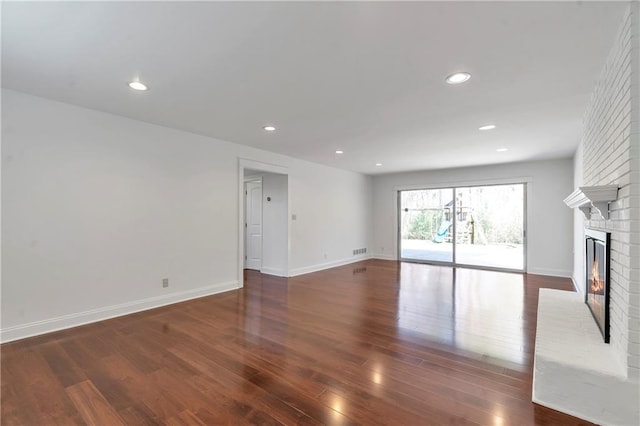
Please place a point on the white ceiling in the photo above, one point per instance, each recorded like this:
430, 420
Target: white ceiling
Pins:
365, 77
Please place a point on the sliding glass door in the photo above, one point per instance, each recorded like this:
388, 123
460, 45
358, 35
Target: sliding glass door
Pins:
425, 225
482, 226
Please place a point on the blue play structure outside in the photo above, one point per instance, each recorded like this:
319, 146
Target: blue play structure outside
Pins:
442, 232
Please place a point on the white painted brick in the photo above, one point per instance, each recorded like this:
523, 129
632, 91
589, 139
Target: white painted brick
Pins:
634, 373
611, 155
623, 180
633, 361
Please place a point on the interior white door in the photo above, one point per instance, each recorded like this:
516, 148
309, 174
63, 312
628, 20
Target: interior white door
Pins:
253, 225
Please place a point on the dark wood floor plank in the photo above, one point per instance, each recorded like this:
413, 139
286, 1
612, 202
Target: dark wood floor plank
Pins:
92, 406
35, 390
138, 415
375, 342
185, 418
64, 368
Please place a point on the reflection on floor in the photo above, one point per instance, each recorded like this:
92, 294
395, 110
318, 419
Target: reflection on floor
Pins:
509, 256
375, 342
477, 312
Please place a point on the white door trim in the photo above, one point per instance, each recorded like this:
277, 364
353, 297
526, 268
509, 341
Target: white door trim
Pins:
245, 163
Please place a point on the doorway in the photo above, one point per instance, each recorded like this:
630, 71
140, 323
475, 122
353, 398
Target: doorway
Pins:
480, 226
263, 226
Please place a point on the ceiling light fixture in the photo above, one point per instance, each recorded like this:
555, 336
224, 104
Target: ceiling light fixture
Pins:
487, 127
457, 78
339, 152
378, 164
502, 149
136, 85
269, 128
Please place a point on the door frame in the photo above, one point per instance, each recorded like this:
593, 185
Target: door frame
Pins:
526, 182
245, 163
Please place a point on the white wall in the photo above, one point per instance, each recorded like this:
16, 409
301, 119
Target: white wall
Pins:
97, 209
549, 221
578, 227
274, 224
333, 217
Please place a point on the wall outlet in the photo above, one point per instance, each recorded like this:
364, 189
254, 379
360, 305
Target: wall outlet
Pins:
165, 282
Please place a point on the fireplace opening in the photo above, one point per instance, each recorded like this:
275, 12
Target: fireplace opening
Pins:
597, 278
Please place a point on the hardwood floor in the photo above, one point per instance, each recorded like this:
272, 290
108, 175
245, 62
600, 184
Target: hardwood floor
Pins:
376, 342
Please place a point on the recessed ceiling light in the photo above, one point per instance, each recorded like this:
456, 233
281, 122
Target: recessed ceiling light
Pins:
378, 164
339, 152
136, 85
459, 77
269, 128
487, 127
502, 149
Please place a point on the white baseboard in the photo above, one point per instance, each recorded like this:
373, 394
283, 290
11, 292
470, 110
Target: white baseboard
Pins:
383, 256
81, 318
273, 271
550, 272
322, 266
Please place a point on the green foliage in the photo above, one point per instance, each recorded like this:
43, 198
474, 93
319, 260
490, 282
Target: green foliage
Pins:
424, 225
420, 227
497, 214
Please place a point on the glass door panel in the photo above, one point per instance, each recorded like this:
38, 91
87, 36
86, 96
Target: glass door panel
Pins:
490, 226
426, 225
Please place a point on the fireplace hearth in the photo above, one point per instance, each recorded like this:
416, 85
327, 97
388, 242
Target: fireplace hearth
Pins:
597, 278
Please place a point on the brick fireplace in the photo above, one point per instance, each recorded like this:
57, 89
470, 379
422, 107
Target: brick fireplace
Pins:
608, 156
